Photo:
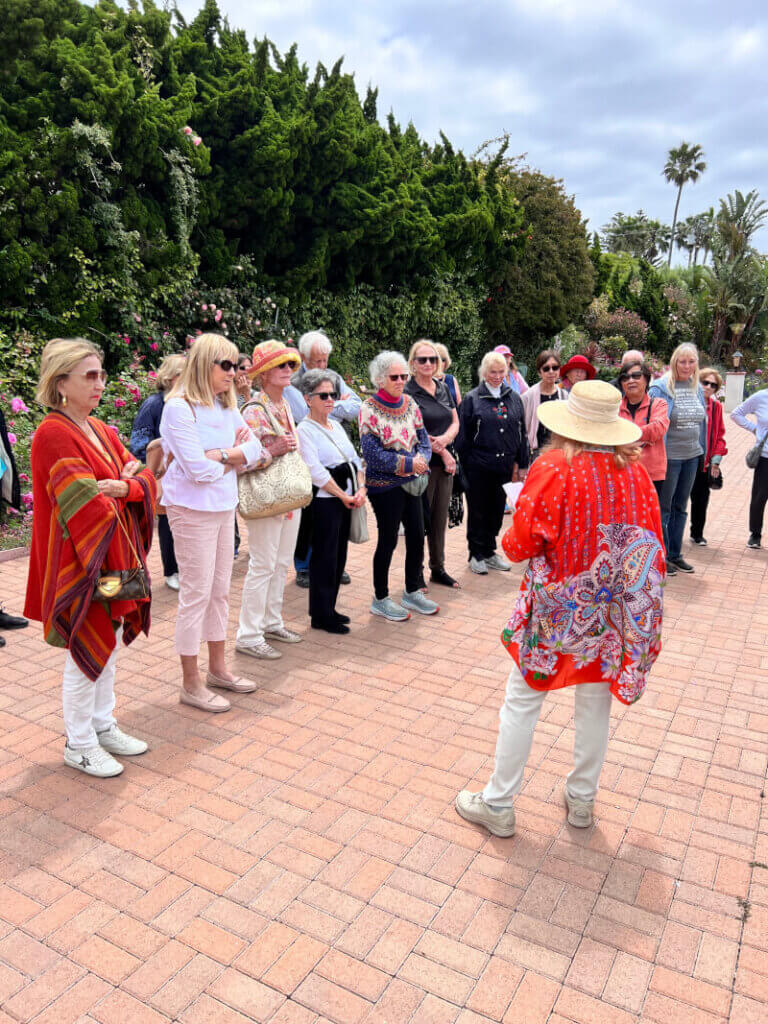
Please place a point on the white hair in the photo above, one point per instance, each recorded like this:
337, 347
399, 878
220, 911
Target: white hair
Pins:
633, 354
382, 364
488, 361
312, 340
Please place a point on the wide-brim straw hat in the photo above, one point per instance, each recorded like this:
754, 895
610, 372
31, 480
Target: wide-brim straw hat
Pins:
269, 354
590, 415
578, 363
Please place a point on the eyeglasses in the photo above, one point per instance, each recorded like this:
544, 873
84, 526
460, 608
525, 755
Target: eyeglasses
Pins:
710, 384
550, 369
632, 376
398, 376
225, 364
324, 396
287, 362
92, 376
426, 359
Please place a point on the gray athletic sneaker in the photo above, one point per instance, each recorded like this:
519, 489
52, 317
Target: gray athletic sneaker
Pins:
389, 609
418, 602
579, 811
498, 562
500, 821
478, 565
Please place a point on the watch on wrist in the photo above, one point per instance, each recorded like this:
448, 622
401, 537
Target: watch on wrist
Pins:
224, 456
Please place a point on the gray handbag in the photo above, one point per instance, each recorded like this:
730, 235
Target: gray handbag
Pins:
754, 454
417, 486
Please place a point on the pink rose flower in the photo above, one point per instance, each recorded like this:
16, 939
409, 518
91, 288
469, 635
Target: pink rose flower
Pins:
137, 318
152, 374
258, 323
204, 307
196, 140
17, 405
12, 438
187, 130
27, 499
154, 346
119, 403
218, 316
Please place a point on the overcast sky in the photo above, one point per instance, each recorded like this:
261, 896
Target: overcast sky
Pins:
593, 91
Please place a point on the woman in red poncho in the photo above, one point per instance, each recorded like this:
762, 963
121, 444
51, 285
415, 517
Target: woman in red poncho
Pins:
93, 512
589, 610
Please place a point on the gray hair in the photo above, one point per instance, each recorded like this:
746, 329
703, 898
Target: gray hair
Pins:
488, 359
381, 365
310, 380
314, 339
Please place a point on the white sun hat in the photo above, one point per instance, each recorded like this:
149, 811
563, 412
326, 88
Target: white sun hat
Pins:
590, 415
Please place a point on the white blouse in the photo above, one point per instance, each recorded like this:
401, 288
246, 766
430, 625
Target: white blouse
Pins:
192, 480
320, 453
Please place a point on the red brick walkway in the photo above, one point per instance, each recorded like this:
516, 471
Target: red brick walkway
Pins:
299, 859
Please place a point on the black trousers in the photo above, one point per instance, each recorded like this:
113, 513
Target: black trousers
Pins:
699, 501
759, 498
329, 539
167, 553
485, 506
391, 508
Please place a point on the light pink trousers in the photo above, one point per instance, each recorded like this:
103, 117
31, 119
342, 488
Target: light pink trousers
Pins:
205, 547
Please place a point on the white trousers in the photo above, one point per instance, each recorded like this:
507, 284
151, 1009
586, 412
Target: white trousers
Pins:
271, 543
205, 545
517, 721
88, 706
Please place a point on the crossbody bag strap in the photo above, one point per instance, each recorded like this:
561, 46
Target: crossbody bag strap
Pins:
339, 450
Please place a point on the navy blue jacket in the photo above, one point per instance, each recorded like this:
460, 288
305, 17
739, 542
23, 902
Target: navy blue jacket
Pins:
492, 431
146, 426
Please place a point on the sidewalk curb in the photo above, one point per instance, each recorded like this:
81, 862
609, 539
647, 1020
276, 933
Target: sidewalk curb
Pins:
11, 553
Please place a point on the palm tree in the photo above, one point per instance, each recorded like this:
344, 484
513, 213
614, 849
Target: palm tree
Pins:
738, 219
683, 164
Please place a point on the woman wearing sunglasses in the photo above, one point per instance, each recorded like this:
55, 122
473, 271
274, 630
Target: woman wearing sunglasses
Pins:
93, 513
209, 440
546, 390
650, 414
441, 421
709, 463
271, 540
396, 451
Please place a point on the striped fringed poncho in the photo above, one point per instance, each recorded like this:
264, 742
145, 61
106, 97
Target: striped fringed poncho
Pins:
76, 537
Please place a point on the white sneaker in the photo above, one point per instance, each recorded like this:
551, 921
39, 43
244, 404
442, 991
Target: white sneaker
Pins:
498, 562
284, 635
172, 581
500, 821
478, 565
262, 650
118, 742
93, 761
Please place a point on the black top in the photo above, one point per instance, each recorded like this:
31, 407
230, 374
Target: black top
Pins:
542, 434
492, 433
436, 410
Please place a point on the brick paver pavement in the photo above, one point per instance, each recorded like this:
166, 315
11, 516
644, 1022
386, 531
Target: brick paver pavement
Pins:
299, 859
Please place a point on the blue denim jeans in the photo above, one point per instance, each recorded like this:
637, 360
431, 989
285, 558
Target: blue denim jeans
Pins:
675, 493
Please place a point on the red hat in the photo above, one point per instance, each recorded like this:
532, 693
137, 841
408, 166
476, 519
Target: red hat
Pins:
578, 363
270, 354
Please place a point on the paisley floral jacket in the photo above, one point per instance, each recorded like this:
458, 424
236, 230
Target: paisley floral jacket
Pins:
590, 605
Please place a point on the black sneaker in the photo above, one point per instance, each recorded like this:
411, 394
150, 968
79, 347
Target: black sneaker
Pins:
682, 565
671, 570
753, 542
302, 579
701, 541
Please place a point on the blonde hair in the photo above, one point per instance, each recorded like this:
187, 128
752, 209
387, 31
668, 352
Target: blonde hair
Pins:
195, 381
686, 346
60, 357
710, 371
488, 359
414, 349
170, 368
623, 454
442, 351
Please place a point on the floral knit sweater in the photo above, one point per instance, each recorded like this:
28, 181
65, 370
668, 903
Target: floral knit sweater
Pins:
392, 434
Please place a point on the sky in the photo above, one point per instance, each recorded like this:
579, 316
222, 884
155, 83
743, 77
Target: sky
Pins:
593, 91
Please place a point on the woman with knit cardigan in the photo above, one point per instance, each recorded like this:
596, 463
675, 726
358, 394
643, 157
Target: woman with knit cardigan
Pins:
396, 451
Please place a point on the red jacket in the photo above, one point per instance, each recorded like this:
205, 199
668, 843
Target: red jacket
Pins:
653, 419
715, 431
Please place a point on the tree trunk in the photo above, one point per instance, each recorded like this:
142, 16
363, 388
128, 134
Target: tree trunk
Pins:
674, 224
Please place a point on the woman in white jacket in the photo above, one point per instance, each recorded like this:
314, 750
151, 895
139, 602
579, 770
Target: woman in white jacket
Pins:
206, 440
546, 390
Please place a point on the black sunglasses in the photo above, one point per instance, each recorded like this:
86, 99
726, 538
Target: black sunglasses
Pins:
225, 364
710, 384
324, 395
632, 376
550, 369
398, 376
426, 359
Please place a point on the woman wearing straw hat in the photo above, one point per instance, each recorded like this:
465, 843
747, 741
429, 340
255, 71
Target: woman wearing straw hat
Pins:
270, 540
589, 610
